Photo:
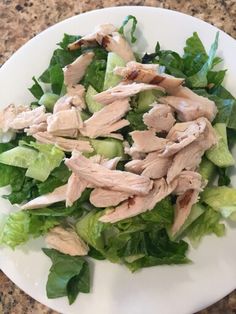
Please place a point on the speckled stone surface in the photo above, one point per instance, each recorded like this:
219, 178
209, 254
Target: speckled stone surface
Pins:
23, 19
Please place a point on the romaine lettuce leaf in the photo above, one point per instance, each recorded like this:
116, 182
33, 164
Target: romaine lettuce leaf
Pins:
221, 199
20, 226
207, 223
133, 28
68, 275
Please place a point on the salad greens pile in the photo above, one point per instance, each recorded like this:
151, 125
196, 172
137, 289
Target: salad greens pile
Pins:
32, 169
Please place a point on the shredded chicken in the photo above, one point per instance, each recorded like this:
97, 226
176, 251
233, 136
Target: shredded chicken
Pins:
107, 36
123, 91
146, 142
153, 166
147, 73
190, 156
183, 134
160, 118
75, 71
65, 123
100, 176
138, 204
190, 106
100, 197
75, 187
65, 144
91, 39
66, 241
8, 114
107, 120
74, 97
25, 119
58, 195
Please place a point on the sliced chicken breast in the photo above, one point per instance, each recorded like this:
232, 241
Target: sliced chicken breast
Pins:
66, 241
27, 118
75, 71
73, 97
123, 91
190, 156
183, 208
148, 73
8, 114
75, 187
65, 123
190, 106
100, 176
100, 197
106, 120
65, 144
92, 39
138, 204
182, 134
58, 195
146, 142
160, 118
153, 166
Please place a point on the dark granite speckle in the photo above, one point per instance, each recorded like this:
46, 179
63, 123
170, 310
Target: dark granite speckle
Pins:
33, 17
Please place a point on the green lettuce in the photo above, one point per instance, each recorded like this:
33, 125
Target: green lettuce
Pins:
221, 199
68, 275
20, 226
207, 223
133, 27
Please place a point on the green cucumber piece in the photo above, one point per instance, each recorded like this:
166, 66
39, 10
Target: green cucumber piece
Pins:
108, 148
48, 100
111, 79
93, 105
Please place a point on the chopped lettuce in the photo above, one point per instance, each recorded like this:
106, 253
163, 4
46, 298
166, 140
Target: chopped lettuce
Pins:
133, 28
36, 89
20, 226
207, 223
221, 199
68, 275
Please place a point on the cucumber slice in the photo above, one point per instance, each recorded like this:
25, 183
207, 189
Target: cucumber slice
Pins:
220, 154
48, 100
93, 105
146, 98
207, 169
108, 148
19, 157
111, 79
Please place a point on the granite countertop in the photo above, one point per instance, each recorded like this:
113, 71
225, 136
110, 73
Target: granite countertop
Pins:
21, 20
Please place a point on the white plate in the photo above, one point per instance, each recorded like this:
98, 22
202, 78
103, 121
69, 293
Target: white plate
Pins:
165, 289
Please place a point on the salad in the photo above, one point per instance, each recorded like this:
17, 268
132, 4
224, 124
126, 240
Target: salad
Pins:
120, 157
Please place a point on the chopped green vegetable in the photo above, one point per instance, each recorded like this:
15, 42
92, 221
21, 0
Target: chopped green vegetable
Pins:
220, 154
207, 223
68, 275
48, 100
108, 148
207, 169
111, 79
92, 104
133, 28
48, 158
222, 199
36, 90
19, 157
